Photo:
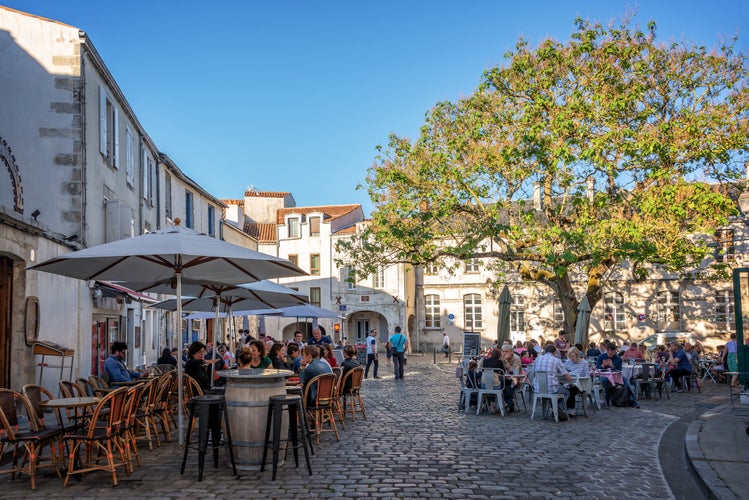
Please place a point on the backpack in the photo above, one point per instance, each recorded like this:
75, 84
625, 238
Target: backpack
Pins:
619, 396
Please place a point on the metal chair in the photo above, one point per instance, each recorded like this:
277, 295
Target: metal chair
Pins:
493, 382
645, 385
544, 395
464, 402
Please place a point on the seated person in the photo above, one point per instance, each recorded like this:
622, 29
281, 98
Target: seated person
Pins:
608, 360
277, 356
294, 357
327, 351
472, 381
489, 379
593, 351
166, 358
511, 364
349, 364
115, 367
682, 366
197, 367
312, 366
555, 373
578, 368
633, 352
259, 361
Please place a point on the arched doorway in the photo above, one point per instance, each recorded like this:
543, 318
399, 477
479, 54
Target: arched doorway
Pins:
359, 323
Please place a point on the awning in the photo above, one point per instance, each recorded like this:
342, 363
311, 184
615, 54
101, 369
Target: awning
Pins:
115, 289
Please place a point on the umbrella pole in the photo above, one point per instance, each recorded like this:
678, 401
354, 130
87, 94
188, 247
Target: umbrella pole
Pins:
215, 341
180, 412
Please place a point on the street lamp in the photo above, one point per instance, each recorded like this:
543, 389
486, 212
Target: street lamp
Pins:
744, 203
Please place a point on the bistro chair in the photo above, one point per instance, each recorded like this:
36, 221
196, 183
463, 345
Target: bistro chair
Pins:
30, 442
37, 394
464, 401
160, 409
70, 389
644, 385
350, 393
101, 438
319, 406
144, 420
127, 428
493, 384
338, 409
545, 396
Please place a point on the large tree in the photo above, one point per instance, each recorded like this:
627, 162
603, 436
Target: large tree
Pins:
570, 159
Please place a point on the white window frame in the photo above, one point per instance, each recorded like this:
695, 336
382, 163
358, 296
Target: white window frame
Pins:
378, 278
725, 313
293, 227
348, 277
668, 304
314, 221
315, 291
473, 265
432, 316
314, 271
473, 312
614, 316
148, 168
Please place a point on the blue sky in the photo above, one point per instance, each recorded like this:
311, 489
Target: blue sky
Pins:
295, 95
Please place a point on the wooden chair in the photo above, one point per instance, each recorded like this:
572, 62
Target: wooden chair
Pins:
37, 394
101, 435
351, 393
127, 428
319, 406
144, 423
70, 389
161, 408
337, 408
190, 389
31, 442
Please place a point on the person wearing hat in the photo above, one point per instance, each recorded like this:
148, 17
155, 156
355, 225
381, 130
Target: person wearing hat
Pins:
561, 344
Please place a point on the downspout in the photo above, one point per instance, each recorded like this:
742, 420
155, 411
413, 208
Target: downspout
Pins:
84, 150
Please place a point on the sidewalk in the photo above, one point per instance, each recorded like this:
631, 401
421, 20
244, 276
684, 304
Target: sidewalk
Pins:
717, 445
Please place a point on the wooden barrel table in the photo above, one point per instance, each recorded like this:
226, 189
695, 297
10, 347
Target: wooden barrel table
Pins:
247, 394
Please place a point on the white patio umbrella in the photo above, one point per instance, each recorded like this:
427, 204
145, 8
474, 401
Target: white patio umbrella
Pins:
172, 253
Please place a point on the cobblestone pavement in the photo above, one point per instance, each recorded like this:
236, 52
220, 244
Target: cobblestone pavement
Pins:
415, 443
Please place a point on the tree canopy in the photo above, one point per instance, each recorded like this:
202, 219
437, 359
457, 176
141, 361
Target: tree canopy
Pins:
570, 159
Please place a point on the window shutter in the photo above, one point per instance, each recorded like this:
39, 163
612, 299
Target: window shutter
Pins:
116, 135
102, 121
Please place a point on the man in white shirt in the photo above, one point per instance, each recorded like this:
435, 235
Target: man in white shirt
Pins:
445, 344
371, 353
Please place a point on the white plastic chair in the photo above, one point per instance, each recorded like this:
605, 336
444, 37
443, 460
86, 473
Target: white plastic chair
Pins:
491, 378
543, 394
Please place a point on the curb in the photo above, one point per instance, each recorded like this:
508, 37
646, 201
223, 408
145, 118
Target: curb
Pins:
699, 463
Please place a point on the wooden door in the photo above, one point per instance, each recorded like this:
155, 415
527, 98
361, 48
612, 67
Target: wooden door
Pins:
6, 295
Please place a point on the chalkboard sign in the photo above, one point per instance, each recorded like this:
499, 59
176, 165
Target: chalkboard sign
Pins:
471, 344
361, 355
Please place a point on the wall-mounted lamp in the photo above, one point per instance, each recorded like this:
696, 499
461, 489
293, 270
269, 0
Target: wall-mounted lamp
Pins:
96, 293
36, 213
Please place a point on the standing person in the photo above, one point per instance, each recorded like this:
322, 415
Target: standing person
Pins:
445, 344
371, 353
561, 344
400, 344
730, 359
115, 367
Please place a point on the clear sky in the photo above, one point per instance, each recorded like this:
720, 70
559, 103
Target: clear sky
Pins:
295, 95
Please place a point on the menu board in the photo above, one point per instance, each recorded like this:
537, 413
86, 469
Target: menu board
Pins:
471, 344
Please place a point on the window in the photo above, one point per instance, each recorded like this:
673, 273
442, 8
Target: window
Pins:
148, 169
430, 268
432, 311
314, 296
314, 226
189, 222
472, 312
294, 259
130, 156
614, 319
724, 313
668, 309
472, 265
517, 314
168, 195
108, 129
211, 220
293, 226
378, 278
724, 240
348, 276
314, 264
558, 313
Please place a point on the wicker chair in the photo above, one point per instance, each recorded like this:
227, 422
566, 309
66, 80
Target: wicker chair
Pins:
320, 406
350, 393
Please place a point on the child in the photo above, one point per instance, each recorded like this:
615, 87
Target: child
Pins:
389, 352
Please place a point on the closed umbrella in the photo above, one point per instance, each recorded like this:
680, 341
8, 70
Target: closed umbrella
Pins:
583, 322
172, 253
503, 322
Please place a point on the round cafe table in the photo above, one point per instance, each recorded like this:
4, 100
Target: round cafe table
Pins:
247, 394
